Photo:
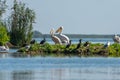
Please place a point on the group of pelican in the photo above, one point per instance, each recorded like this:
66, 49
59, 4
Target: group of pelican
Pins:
60, 38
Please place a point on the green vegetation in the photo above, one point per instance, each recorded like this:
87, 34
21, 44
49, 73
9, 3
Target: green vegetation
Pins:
3, 31
3, 35
60, 50
114, 50
21, 24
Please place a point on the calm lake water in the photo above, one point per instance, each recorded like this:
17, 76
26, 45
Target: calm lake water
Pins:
48, 68
53, 68
76, 40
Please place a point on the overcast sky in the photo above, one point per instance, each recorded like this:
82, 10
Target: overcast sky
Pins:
76, 16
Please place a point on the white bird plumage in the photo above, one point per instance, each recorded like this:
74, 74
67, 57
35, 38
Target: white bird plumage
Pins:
107, 44
116, 39
62, 37
4, 48
55, 38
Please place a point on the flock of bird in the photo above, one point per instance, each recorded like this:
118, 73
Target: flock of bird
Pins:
64, 40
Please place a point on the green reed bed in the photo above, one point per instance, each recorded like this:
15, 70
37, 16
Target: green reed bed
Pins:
60, 50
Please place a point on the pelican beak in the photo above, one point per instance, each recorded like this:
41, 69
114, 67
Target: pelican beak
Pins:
52, 31
58, 30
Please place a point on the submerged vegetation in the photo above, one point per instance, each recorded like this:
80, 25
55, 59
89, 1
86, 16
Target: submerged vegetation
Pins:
61, 50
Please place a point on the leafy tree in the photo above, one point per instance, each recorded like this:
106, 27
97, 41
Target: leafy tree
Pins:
21, 24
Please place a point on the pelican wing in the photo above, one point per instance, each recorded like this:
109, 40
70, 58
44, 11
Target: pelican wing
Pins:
56, 40
64, 38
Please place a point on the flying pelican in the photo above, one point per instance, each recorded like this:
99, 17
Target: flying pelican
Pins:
62, 37
55, 38
116, 39
107, 44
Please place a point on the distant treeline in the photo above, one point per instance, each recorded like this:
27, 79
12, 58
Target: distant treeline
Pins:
38, 34
84, 36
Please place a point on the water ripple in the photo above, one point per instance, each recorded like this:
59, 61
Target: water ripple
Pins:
37, 63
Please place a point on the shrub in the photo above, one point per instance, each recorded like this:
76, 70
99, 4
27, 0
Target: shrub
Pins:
3, 35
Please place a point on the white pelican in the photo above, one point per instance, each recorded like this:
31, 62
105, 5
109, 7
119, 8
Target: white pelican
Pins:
62, 37
116, 39
55, 38
4, 48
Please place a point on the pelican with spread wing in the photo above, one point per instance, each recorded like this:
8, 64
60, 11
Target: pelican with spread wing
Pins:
63, 38
55, 38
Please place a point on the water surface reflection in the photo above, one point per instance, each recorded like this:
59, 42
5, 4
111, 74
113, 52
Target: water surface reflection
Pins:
49, 68
63, 74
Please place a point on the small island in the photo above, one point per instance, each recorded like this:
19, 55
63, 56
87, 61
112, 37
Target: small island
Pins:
93, 50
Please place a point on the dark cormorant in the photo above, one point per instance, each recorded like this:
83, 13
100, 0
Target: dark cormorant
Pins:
79, 44
68, 45
86, 44
33, 41
43, 41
